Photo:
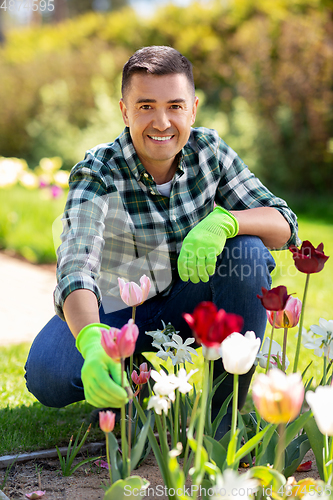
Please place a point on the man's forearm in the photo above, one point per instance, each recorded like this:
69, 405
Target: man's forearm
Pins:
265, 222
81, 309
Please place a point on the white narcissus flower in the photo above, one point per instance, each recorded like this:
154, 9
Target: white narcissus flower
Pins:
160, 336
233, 486
165, 355
239, 352
181, 380
211, 353
165, 384
183, 351
159, 403
325, 339
321, 404
276, 352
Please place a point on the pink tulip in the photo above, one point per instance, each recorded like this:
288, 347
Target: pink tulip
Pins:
132, 294
107, 420
143, 376
289, 316
120, 343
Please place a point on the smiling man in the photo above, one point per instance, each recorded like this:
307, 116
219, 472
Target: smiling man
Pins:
163, 199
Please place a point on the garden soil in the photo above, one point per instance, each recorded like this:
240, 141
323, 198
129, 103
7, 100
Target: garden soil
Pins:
25, 306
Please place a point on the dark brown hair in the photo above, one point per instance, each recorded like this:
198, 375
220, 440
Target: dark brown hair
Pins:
156, 60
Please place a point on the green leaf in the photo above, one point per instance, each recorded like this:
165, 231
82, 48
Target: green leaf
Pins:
295, 427
113, 454
136, 451
221, 414
252, 443
295, 456
130, 488
267, 449
316, 442
231, 452
215, 450
268, 477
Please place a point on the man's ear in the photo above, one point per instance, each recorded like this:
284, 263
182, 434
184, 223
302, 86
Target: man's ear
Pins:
123, 110
194, 109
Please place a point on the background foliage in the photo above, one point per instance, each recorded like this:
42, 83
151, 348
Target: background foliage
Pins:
263, 71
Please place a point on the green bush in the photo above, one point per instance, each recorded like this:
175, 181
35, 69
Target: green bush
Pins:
275, 57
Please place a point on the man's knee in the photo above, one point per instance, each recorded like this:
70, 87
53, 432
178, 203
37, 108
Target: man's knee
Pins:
245, 259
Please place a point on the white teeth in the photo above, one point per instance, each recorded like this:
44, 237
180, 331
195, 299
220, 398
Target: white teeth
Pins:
157, 138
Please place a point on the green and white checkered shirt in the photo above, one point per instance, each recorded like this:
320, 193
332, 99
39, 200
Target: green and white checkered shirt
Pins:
117, 224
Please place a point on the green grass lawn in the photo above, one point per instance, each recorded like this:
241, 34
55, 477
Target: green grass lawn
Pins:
27, 425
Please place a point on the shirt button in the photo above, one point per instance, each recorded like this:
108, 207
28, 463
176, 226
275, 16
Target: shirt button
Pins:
152, 191
145, 175
173, 217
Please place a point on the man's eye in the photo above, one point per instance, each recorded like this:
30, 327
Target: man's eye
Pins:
175, 106
145, 106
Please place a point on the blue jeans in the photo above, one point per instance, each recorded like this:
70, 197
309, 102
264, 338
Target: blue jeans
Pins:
53, 367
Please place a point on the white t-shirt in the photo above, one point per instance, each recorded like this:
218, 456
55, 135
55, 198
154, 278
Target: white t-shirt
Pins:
165, 188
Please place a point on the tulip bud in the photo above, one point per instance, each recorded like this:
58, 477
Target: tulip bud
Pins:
133, 294
107, 420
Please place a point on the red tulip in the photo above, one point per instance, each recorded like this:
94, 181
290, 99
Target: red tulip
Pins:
120, 343
107, 420
309, 259
210, 326
143, 376
289, 316
274, 299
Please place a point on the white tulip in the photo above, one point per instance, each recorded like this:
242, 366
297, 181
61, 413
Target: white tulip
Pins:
321, 404
239, 352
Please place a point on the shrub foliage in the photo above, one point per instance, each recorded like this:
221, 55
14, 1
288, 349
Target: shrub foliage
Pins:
263, 71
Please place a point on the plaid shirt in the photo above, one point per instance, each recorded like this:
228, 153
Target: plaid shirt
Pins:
117, 224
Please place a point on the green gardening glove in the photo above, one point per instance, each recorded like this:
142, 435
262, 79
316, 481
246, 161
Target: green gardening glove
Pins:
203, 244
100, 389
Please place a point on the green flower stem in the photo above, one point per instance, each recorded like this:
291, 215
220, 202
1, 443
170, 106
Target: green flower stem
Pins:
330, 459
284, 349
234, 406
202, 418
108, 455
270, 344
124, 449
176, 436
300, 328
325, 370
279, 455
257, 432
192, 421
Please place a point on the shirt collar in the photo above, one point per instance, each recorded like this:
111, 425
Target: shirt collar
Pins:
132, 159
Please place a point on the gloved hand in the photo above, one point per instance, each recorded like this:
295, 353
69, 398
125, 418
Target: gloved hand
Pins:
202, 245
100, 389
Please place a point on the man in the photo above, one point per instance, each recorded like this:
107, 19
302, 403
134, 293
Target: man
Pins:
144, 204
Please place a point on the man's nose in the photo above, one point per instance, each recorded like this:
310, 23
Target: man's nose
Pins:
161, 120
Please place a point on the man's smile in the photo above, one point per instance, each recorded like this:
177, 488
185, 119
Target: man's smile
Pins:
160, 138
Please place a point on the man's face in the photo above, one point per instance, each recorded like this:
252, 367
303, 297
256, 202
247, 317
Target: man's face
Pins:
159, 111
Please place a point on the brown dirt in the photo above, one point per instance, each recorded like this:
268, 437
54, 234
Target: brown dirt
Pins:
85, 483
